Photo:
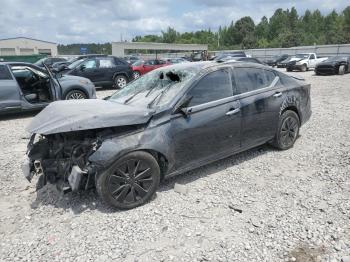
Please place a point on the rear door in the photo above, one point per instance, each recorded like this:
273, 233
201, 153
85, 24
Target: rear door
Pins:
261, 96
212, 128
107, 67
10, 97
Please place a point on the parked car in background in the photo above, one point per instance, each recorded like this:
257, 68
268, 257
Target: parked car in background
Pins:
175, 60
276, 59
130, 59
24, 86
241, 59
283, 63
58, 65
167, 122
304, 62
49, 61
228, 55
334, 65
142, 67
102, 70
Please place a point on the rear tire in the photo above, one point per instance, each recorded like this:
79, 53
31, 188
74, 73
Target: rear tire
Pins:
130, 182
120, 81
341, 70
288, 130
75, 94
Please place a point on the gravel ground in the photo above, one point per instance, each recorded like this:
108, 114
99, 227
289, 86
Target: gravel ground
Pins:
260, 205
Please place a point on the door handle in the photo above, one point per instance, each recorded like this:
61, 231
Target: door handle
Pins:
277, 94
233, 111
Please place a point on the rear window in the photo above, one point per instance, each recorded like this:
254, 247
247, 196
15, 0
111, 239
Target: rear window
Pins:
5, 73
250, 79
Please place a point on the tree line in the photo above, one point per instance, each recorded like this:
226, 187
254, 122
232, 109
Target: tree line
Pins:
285, 28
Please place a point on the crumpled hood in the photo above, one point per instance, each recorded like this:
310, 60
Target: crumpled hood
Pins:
74, 115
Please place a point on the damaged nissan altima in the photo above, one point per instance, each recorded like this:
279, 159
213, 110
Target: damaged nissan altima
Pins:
167, 122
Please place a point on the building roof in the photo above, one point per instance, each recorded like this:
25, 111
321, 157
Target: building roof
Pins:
22, 37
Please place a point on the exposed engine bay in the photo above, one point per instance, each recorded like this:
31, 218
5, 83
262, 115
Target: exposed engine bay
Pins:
62, 159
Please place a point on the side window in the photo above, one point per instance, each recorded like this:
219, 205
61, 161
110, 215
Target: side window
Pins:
213, 86
312, 56
90, 64
250, 79
5, 73
106, 62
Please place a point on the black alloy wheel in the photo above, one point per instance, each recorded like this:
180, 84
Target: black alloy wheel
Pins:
288, 130
130, 182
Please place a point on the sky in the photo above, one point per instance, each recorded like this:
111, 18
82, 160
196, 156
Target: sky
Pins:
100, 21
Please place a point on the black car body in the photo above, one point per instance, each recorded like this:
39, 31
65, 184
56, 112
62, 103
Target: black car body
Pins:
102, 70
276, 59
284, 63
49, 61
334, 65
24, 86
166, 122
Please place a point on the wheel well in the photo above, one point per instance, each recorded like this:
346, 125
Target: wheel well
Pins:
161, 159
75, 88
294, 109
122, 74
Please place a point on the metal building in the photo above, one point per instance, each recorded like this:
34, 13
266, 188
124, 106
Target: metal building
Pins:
26, 46
118, 48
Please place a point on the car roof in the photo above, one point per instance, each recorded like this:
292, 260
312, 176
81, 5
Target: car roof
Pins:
202, 65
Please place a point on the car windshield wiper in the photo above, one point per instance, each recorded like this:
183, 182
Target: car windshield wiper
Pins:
159, 96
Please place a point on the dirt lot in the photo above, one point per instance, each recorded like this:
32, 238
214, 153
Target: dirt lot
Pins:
261, 205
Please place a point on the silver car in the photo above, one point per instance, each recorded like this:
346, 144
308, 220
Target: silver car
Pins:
24, 86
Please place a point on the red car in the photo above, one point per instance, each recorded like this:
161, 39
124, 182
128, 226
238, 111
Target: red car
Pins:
143, 67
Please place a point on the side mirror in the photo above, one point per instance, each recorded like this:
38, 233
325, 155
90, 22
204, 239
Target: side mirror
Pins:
182, 108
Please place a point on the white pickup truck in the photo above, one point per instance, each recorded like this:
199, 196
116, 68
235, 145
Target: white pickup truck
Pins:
304, 62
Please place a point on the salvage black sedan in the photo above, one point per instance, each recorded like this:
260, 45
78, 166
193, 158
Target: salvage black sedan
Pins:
334, 65
167, 122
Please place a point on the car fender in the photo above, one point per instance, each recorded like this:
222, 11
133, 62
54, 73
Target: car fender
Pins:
122, 72
149, 139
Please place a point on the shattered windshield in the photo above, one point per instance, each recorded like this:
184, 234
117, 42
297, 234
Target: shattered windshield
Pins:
156, 88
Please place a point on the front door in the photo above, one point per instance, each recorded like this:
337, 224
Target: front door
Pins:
212, 128
89, 69
10, 98
261, 98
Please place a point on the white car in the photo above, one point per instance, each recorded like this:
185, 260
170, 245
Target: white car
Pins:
305, 61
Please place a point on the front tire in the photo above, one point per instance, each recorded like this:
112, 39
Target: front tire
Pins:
288, 130
120, 81
341, 70
303, 68
130, 182
75, 94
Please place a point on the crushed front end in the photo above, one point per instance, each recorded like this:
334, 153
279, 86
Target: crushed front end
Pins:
62, 159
